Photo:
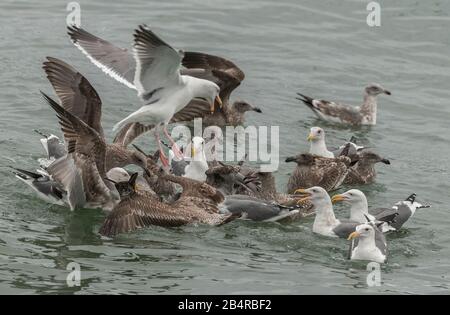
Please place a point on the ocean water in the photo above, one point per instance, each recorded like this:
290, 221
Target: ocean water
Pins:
320, 48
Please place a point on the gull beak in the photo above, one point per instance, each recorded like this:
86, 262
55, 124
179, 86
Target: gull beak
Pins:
136, 187
192, 151
386, 161
257, 109
217, 100
306, 195
353, 236
337, 198
387, 92
310, 137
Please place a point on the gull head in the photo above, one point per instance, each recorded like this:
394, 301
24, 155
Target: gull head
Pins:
210, 92
370, 158
242, 107
363, 231
304, 159
353, 196
376, 89
316, 134
139, 158
197, 148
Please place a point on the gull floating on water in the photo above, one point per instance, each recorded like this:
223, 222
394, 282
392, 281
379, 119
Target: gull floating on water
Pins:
154, 73
359, 210
364, 172
318, 146
198, 203
341, 113
317, 171
368, 244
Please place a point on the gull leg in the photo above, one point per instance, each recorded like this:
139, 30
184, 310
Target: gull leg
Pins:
175, 148
162, 155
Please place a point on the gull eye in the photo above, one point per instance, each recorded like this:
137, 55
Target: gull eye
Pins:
367, 229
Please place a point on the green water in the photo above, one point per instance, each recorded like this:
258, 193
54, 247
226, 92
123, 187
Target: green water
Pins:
317, 47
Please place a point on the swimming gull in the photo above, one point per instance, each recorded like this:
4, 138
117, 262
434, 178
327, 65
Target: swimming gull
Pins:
155, 74
317, 171
371, 244
198, 203
341, 113
325, 222
318, 146
363, 171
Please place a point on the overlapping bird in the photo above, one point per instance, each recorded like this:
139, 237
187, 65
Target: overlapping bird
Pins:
184, 186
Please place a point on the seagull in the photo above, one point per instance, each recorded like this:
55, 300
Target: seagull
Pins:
359, 210
154, 70
363, 171
193, 166
198, 203
228, 76
371, 244
325, 222
318, 145
53, 146
79, 97
317, 171
346, 114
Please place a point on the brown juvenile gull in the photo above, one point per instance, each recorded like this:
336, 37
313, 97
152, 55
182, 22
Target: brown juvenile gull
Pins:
198, 203
317, 171
78, 97
228, 76
346, 114
364, 172
155, 73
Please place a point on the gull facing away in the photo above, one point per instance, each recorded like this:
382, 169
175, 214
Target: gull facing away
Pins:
346, 114
371, 244
318, 146
364, 172
156, 75
359, 210
317, 171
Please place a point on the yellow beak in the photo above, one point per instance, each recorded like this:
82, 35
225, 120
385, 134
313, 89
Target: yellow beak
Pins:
337, 198
310, 137
353, 236
192, 152
213, 104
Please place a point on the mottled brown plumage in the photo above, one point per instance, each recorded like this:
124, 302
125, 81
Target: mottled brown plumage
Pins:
317, 171
364, 172
198, 203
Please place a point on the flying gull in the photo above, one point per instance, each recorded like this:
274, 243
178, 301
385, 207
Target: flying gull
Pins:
346, 114
359, 210
371, 244
154, 73
317, 171
198, 203
318, 145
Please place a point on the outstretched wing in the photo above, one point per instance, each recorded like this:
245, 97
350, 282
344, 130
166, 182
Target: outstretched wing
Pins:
76, 94
117, 62
157, 64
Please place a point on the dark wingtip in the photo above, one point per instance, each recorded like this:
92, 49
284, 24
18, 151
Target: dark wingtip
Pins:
411, 198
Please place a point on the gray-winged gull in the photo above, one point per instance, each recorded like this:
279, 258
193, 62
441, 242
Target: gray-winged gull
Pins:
155, 74
359, 209
341, 113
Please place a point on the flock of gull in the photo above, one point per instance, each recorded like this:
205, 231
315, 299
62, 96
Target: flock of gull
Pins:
181, 185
